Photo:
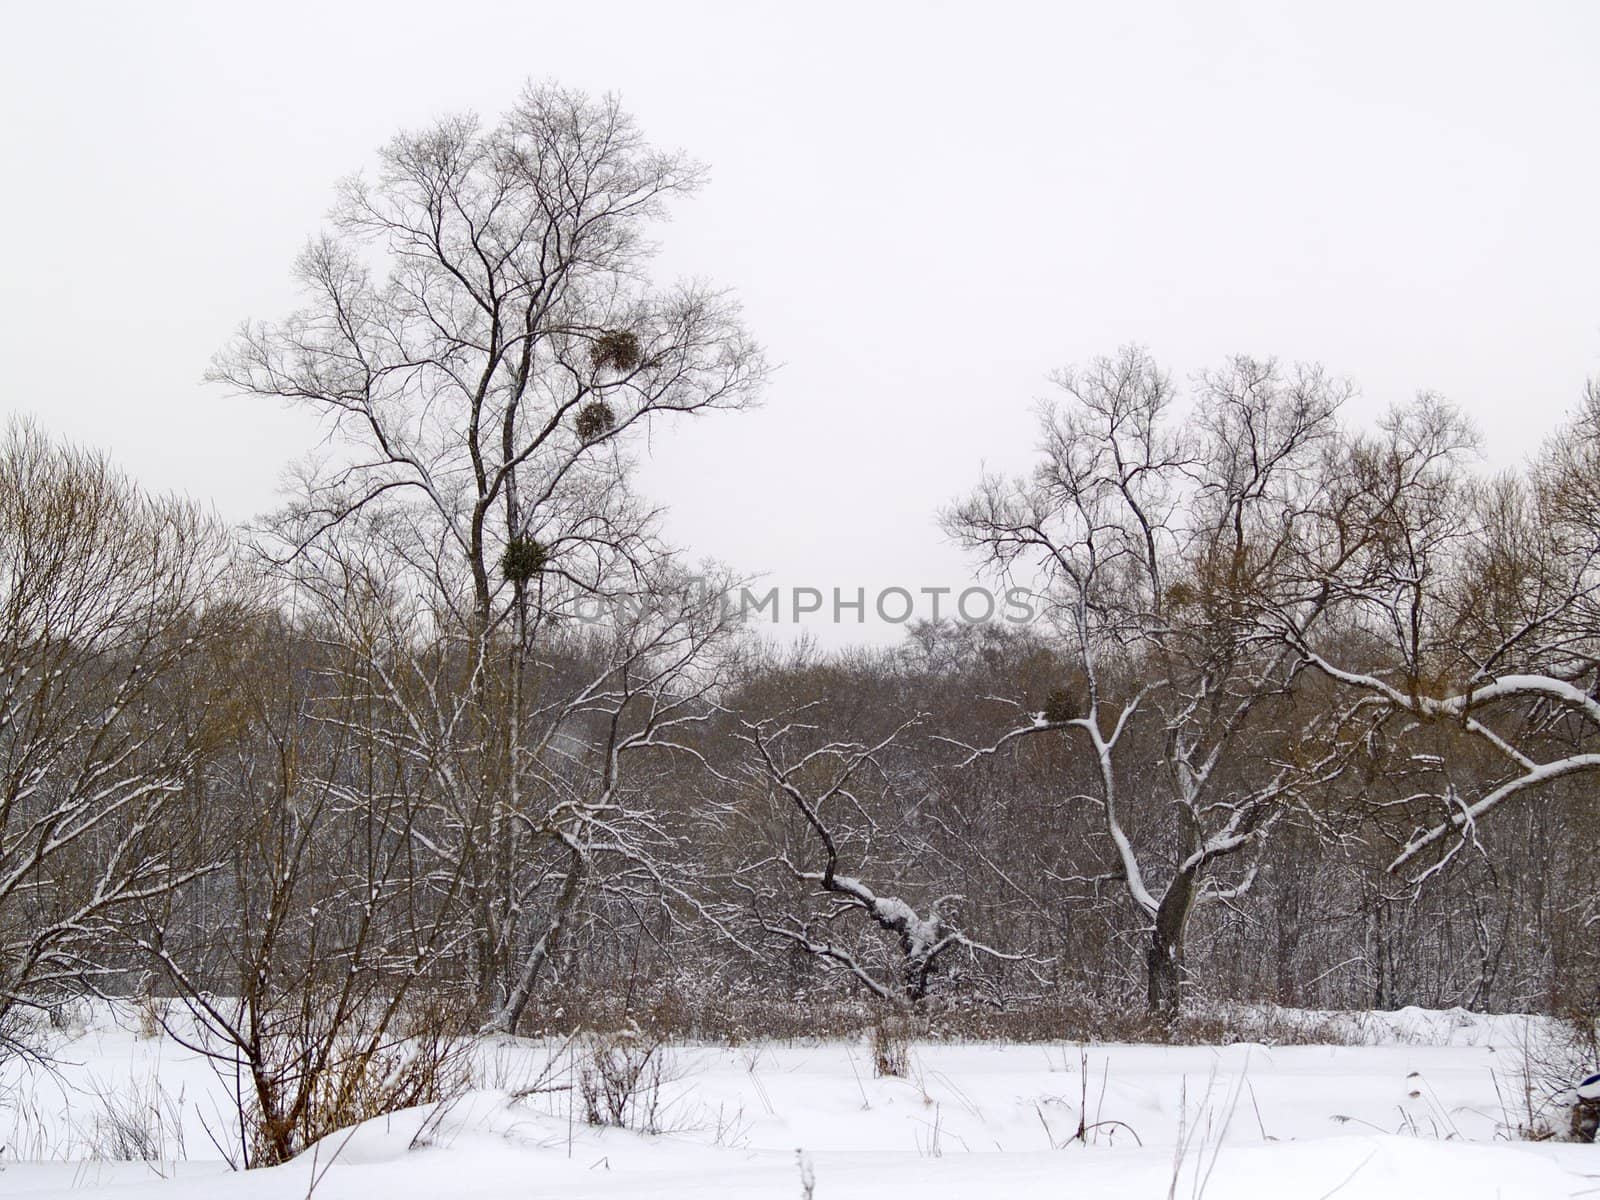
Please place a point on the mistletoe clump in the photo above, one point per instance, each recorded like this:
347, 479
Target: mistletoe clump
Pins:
524, 558
616, 350
1062, 705
595, 420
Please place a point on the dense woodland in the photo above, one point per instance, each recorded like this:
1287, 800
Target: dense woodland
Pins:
1310, 715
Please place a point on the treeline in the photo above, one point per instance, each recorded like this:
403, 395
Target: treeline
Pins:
1309, 715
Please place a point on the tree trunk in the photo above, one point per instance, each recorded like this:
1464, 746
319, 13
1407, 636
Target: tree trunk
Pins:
1164, 958
505, 1020
1383, 990
914, 977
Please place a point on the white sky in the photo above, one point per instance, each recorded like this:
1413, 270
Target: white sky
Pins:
925, 208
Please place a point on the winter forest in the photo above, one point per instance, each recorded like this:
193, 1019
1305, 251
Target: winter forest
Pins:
455, 745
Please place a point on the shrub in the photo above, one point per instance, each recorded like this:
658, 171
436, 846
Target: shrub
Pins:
1554, 1060
310, 1083
620, 1075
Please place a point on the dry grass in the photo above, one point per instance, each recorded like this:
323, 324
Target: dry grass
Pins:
730, 1017
140, 1123
1544, 1106
891, 1046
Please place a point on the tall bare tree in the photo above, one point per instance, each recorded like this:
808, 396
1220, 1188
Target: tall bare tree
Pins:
483, 342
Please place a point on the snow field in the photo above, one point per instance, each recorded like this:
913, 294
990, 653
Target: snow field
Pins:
1426, 1110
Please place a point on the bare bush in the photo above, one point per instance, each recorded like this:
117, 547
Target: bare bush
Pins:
362, 1081
620, 1079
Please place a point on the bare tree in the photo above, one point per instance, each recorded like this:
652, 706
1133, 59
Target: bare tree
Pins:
1476, 606
331, 931
817, 779
1157, 544
483, 343
106, 598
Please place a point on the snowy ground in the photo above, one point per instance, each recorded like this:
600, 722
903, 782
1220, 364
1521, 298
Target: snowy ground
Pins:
1423, 1111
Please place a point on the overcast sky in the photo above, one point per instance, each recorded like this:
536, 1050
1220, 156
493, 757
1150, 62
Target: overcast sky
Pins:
926, 208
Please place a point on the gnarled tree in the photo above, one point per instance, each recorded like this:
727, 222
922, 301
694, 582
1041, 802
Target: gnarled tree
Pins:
1155, 543
805, 776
